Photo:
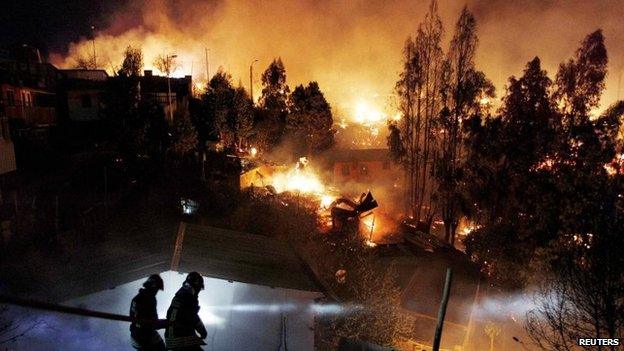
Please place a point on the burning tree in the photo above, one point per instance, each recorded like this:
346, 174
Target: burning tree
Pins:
418, 91
464, 88
547, 197
436, 96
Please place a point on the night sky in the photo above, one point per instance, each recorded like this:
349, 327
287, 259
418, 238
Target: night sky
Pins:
52, 24
352, 48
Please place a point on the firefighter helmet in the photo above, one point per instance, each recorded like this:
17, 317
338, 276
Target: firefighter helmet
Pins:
195, 280
155, 282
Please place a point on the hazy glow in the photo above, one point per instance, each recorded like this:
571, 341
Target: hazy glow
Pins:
353, 49
365, 113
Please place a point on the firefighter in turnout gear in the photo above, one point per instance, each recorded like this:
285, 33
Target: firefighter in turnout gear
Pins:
183, 317
145, 317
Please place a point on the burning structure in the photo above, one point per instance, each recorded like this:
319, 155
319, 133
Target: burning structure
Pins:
338, 205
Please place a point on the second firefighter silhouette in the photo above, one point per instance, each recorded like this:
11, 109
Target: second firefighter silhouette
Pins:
145, 317
183, 317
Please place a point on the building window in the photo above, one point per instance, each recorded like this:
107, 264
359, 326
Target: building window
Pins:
345, 169
86, 101
364, 170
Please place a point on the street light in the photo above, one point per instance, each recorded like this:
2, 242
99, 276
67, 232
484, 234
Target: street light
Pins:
251, 80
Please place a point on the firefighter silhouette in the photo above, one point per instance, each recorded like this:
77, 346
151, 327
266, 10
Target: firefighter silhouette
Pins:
183, 320
143, 330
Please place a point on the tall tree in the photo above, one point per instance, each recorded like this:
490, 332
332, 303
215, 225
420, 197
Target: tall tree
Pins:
505, 178
132, 64
580, 80
581, 278
310, 119
273, 102
85, 62
274, 88
418, 90
539, 173
229, 109
464, 87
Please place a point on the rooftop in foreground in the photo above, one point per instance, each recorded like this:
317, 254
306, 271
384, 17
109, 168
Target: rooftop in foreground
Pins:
243, 257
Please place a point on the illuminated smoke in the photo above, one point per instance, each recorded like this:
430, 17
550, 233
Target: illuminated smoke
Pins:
352, 48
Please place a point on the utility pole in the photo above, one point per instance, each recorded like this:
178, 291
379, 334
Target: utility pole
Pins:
168, 67
251, 79
442, 311
105, 192
93, 43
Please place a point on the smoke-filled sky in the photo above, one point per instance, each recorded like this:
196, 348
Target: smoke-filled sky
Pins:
352, 48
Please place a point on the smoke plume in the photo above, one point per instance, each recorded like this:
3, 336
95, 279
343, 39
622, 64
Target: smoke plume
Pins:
352, 48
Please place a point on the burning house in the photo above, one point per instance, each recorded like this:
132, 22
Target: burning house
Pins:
364, 166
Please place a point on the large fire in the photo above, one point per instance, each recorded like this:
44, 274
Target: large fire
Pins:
301, 178
304, 181
367, 114
364, 122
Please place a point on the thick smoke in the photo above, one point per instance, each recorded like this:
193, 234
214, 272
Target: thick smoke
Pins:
352, 48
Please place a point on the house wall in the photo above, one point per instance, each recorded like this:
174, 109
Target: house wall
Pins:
365, 171
84, 105
33, 106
